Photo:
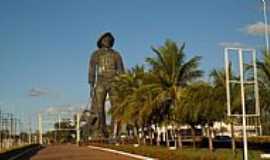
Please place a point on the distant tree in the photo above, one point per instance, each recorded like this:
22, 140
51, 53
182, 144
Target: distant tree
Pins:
63, 131
24, 136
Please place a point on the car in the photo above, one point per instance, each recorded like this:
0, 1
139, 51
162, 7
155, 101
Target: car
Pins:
222, 141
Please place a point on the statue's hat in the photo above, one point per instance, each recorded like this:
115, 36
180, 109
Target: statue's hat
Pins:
105, 35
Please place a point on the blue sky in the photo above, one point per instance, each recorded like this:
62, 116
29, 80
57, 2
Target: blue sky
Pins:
45, 45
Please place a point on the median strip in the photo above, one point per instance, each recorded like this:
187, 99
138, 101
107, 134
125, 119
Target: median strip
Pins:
122, 153
22, 153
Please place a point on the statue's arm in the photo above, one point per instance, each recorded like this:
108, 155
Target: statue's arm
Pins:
92, 70
120, 64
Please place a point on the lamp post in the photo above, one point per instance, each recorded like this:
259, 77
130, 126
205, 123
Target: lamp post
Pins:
265, 26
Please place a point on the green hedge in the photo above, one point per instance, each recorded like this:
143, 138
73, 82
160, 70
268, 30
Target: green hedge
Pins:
260, 139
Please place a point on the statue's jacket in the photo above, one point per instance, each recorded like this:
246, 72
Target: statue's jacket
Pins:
104, 64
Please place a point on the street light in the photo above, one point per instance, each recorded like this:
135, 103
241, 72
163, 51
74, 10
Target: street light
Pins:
265, 26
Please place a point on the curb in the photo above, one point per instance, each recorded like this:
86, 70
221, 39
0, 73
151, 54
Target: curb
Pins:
22, 153
122, 153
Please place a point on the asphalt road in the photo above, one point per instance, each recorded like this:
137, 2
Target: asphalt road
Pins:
73, 152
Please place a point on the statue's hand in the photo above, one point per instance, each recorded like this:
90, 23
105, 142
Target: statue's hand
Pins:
91, 90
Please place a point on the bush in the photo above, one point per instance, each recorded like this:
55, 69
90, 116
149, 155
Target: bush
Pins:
258, 143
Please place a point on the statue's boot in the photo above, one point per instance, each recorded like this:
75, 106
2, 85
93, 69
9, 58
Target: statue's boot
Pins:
105, 133
93, 118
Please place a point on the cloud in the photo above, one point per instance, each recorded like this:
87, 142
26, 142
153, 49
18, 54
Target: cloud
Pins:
256, 29
43, 92
232, 44
37, 92
69, 108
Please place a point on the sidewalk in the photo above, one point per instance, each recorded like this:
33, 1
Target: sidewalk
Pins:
73, 152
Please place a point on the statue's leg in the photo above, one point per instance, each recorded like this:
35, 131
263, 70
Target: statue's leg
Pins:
100, 101
115, 124
93, 111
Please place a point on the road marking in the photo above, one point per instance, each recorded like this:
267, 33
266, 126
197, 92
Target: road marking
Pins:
265, 156
122, 153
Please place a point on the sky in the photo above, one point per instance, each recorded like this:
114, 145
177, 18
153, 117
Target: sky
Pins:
45, 45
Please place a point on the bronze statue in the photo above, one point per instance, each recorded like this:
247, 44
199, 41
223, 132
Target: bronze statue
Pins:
104, 65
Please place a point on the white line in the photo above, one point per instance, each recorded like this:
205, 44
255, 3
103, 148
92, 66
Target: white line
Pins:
122, 153
265, 156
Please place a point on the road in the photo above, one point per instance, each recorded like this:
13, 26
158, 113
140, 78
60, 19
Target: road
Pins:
73, 152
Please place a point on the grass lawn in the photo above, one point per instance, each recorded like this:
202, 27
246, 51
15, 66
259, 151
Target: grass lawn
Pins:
12, 148
163, 153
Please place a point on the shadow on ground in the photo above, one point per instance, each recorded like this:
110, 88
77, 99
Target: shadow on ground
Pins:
31, 151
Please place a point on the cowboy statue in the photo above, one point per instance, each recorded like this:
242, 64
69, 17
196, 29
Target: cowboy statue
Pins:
105, 63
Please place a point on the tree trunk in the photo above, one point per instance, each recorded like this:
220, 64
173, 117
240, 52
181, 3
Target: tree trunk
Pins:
210, 140
167, 137
144, 140
180, 144
175, 137
143, 136
233, 137
171, 134
150, 136
158, 136
193, 136
259, 126
137, 135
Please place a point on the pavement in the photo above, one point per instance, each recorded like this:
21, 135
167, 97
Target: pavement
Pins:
73, 152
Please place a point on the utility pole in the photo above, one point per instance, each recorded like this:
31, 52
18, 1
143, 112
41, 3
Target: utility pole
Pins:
1, 130
78, 128
243, 105
59, 121
40, 128
20, 135
15, 127
30, 134
265, 26
11, 128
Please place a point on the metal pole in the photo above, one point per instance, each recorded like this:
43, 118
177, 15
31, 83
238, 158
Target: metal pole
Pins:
256, 88
58, 132
11, 125
19, 131
78, 128
15, 127
15, 130
29, 134
227, 71
243, 104
11, 129
40, 128
59, 122
266, 26
1, 130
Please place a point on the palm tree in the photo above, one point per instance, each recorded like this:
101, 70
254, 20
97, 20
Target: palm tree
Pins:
146, 98
212, 108
129, 102
264, 85
169, 73
197, 106
219, 83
